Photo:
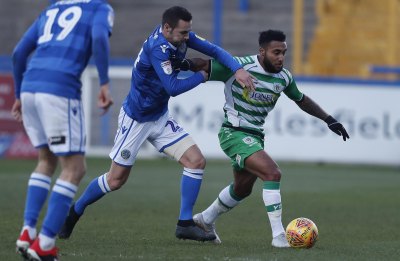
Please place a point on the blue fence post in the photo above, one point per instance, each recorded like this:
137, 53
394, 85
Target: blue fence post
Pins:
244, 6
218, 21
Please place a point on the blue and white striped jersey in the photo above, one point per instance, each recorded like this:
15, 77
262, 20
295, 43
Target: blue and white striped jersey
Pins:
64, 37
154, 81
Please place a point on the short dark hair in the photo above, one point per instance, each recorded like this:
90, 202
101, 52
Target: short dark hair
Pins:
271, 35
173, 14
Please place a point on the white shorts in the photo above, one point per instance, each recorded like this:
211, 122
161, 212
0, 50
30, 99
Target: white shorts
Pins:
164, 134
54, 121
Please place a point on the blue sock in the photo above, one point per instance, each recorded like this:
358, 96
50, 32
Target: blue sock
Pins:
93, 192
57, 210
38, 188
190, 187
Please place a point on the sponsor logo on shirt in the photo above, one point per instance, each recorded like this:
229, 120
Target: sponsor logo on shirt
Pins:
264, 97
167, 68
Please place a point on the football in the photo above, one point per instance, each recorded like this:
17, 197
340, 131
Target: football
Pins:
302, 233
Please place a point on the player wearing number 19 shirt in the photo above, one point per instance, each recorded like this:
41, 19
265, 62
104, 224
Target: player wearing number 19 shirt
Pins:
144, 116
48, 101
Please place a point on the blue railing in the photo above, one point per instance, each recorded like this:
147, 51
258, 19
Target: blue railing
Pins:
385, 69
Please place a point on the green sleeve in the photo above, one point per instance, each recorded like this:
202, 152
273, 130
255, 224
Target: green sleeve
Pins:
219, 72
293, 92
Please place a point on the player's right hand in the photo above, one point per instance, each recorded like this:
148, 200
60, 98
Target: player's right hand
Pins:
245, 79
104, 100
180, 64
16, 110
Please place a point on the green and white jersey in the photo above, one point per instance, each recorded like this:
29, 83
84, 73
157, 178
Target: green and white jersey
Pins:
250, 109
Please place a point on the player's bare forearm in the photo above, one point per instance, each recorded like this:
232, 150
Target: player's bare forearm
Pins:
199, 64
312, 108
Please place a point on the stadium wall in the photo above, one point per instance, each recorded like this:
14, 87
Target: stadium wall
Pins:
368, 109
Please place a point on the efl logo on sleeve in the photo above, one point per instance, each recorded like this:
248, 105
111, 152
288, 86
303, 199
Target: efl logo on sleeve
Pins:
167, 68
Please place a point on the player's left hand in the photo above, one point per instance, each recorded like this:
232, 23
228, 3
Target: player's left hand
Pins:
104, 100
337, 127
16, 110
245, 79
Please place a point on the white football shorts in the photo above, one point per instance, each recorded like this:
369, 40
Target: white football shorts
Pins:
54, 121
164, 134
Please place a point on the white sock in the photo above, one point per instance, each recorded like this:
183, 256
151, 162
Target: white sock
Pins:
226, 201
272, 201
45, 242
31, 231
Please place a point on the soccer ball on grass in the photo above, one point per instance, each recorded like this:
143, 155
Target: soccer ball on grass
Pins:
301, 233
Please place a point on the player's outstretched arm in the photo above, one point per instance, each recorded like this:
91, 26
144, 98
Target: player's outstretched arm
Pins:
192, 64
243, 77
337, 127
199, 64
312, 108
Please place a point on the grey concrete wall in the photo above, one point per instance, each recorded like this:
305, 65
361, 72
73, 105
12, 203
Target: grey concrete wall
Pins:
135, 19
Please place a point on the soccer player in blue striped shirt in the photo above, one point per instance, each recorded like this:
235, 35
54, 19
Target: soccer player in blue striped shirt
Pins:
144, 116
48, 101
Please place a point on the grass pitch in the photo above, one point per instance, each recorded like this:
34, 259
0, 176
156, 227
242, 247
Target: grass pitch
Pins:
356, 209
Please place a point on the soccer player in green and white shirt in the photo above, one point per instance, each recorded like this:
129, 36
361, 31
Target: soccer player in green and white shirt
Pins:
242, 136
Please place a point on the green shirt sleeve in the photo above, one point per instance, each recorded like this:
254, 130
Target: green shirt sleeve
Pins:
219, 72
291, 90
